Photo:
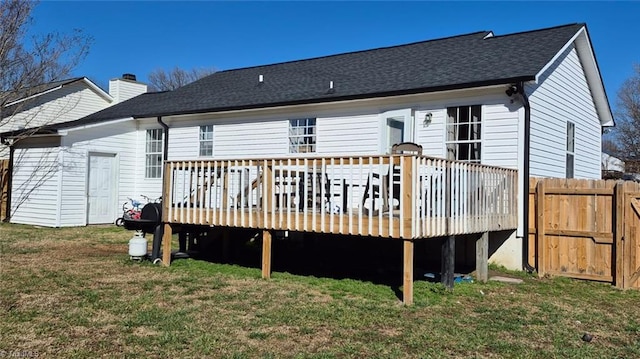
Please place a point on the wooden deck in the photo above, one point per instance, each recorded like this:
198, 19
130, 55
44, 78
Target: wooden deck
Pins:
407, 197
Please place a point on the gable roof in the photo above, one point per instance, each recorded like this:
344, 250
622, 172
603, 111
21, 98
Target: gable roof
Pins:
39, 90
472, 60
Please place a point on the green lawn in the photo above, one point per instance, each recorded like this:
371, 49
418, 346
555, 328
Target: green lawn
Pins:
75, 293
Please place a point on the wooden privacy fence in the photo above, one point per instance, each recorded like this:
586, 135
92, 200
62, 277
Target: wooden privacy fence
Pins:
586, 229
4, 188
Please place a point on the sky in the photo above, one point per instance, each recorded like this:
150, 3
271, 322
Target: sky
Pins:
138, 37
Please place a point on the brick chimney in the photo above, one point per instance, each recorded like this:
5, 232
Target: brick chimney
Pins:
126, 87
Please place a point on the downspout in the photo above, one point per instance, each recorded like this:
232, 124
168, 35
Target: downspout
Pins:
158, 232
165, 151
527, 144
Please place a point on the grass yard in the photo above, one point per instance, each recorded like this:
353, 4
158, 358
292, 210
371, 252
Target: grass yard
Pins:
75, 293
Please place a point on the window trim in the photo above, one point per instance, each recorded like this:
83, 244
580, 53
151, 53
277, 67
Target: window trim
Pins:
149, 168
570, 148
405, 116
294, 148
481, 136
202, 141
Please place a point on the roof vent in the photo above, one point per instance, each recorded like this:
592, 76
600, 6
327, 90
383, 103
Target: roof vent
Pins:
260, 78
488, 35
331, 89
130, 77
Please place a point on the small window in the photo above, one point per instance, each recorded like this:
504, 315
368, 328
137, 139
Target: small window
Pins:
302, 135
153, 153
206, 140
464, 133
571, 138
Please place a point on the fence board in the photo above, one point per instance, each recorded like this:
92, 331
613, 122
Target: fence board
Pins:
585, 229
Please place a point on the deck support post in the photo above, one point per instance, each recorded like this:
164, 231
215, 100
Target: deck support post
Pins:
166, 245
225, 244
407, 282
266, 254
482, 257
448, 261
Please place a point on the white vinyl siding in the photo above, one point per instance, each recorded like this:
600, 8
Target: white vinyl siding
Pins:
35, 186
122, 90
500, 135
118, 139
356, 134
183, 143
561, 96
431, 136
66, 104
242, 139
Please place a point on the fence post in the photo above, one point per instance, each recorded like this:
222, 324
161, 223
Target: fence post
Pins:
541, 245
618, 249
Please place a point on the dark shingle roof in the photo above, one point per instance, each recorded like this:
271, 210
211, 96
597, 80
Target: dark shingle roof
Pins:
456, 62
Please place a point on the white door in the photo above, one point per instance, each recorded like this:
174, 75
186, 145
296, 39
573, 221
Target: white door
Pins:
101, 189
397, 128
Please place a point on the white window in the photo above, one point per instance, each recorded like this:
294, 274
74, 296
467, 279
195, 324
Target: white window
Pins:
153, 153
302, 135
464, 133
206, 140
571, 138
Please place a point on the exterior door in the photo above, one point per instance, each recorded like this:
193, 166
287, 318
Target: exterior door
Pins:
397, 128
101, 189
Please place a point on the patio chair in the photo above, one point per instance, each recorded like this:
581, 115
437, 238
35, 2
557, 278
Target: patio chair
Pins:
377, 182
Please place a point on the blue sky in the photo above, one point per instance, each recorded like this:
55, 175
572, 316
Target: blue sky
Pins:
137, 37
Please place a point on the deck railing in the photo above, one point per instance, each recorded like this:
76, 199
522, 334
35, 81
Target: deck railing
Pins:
399, 196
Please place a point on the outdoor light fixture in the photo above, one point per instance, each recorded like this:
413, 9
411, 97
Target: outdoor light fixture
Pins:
427, 119
513, 89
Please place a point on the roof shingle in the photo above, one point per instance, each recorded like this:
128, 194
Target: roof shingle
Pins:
469, 60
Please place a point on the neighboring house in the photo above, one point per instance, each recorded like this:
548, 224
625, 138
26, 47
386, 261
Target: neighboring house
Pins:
459, 97
612, 167
36, 174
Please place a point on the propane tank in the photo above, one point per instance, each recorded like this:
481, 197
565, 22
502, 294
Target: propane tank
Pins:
138, 246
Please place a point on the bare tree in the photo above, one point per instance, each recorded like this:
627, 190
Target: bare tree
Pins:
29, 65
168, 80
628, 115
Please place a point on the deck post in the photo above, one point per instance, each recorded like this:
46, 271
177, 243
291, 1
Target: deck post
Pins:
448, 261
407, 282
482, 257
225, 244
408, 196
267, 193
166, 245
266, 254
